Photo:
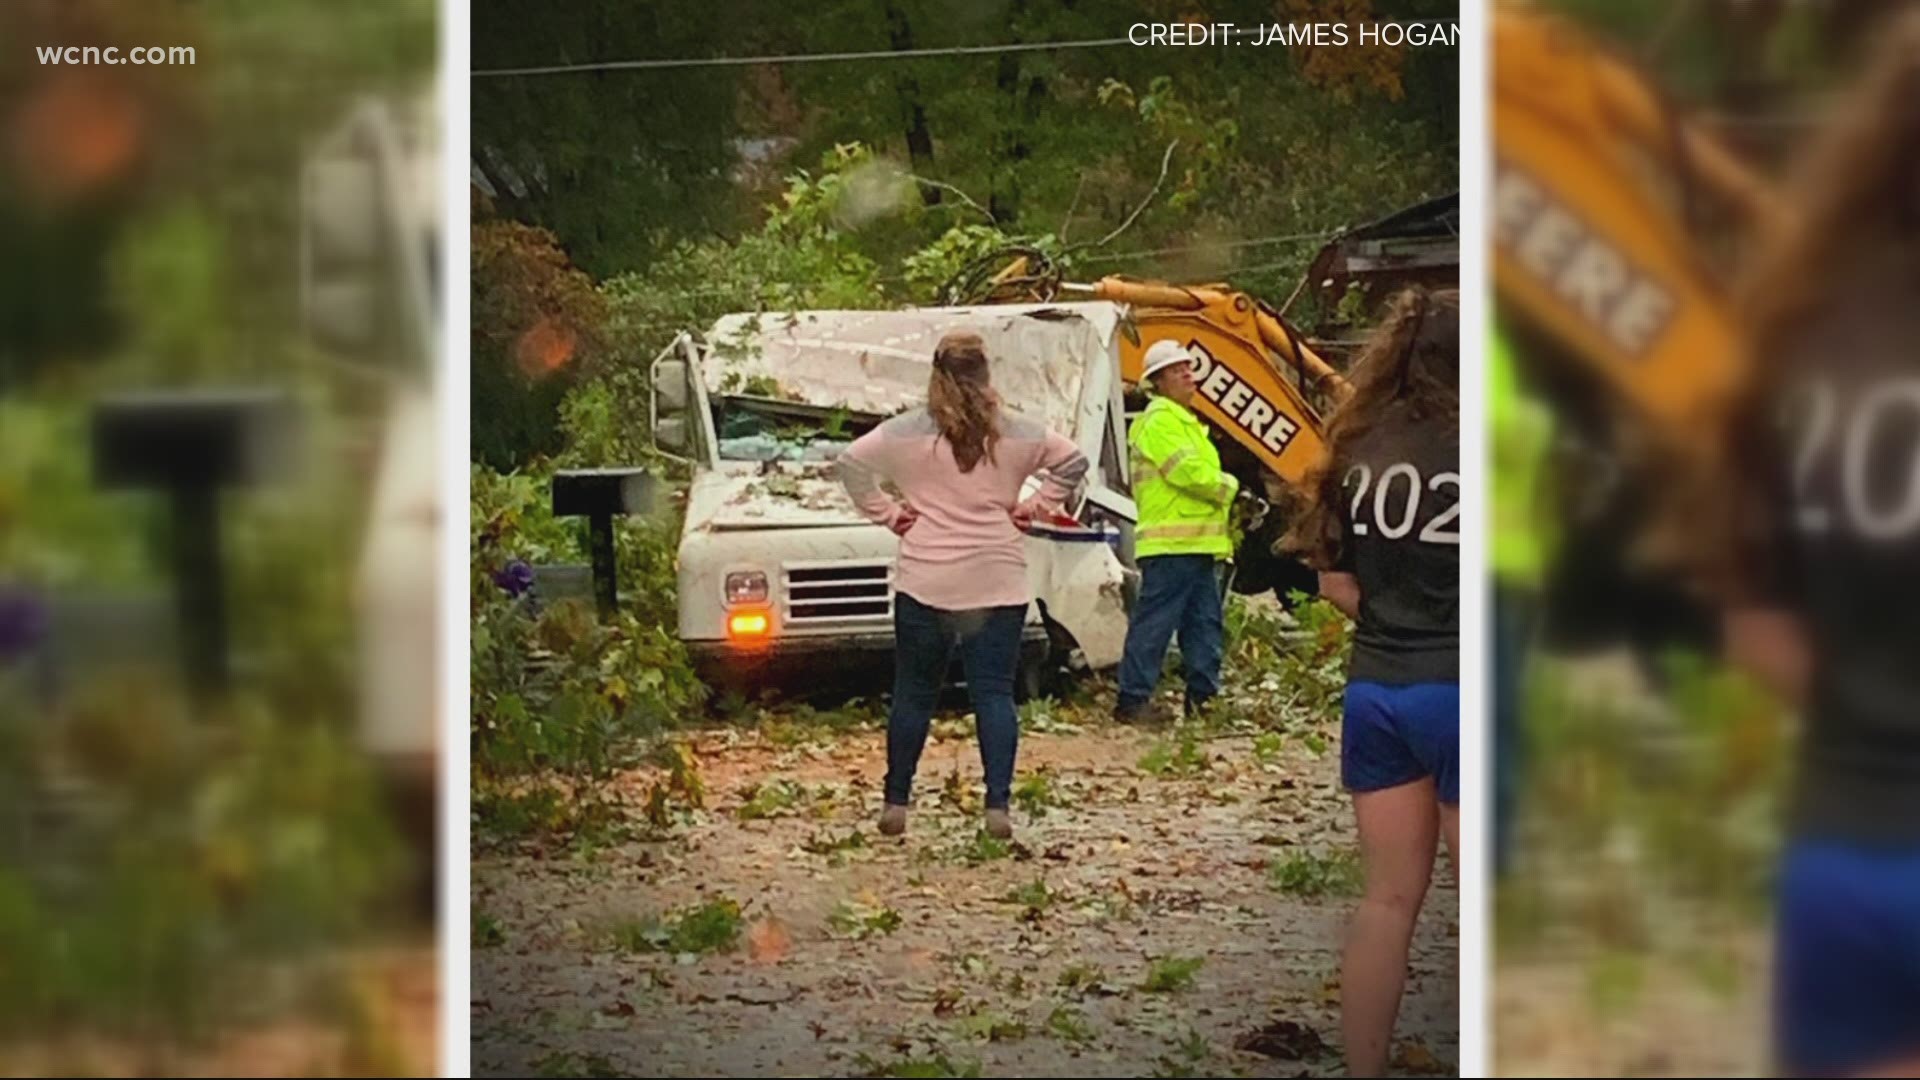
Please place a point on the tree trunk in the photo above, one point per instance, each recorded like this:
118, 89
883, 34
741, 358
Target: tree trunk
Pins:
919, 139
1004, 203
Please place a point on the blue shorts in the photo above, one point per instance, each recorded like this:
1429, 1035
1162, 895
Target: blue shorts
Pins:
1393, 735
1848, 985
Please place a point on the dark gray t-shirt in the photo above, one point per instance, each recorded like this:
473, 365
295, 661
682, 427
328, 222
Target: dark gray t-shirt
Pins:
1400, 512
1843, 473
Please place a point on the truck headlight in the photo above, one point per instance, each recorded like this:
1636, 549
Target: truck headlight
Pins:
747, 587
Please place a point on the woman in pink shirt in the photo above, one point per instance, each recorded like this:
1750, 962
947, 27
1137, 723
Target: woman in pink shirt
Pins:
958, 465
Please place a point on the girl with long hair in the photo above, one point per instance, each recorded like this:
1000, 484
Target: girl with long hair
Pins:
1382, 527
959, 465
1820, 572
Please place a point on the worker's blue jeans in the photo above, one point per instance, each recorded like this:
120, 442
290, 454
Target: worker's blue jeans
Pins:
1514, 615
1176, 592
924, 637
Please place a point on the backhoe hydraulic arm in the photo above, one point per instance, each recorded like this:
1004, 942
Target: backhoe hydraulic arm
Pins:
1256, 376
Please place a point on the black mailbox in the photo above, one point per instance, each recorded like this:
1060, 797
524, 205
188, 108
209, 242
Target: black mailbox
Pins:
586, 492
213, 439
190, 444
599, 495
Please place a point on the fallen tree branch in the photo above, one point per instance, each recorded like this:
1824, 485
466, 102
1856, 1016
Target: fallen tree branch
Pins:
1071, 207
964, 197
1166, 159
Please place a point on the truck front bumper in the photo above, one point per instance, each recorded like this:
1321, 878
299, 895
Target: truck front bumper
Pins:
775, 660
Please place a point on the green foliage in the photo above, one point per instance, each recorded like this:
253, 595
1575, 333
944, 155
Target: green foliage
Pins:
171, 865
615, 163
985, 847
1034, 793
1079, 976
553, 685
487, 931
1313, 875
1304, 665
938, 1066
1613, 779
1182, 758
1205, 142
1615, 981
860, 922
775, 798
55, 529
706, 928
930, 267
565, 1063
1034, 899
1043, 146
991, 1025
800, 257
564, 690
1266, 746
1070, 1024
828, 844
537, 323
167, 276
1172, 973
176, 854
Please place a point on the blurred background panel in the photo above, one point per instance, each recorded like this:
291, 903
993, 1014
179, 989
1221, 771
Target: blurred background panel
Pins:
1650, 163
219, 345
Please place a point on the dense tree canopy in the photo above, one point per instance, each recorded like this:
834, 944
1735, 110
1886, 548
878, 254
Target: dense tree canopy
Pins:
688, 190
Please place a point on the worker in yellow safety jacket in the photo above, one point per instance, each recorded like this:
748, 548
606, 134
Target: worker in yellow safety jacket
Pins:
1183, 498
1522, 540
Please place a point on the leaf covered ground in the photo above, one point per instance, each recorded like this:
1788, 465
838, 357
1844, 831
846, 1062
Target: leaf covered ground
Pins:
1172, 903
1633, 928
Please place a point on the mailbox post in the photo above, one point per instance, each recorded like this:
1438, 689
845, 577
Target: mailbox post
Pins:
192, 445
599, 495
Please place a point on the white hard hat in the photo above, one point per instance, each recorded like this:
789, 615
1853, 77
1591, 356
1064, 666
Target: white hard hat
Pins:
1164, 354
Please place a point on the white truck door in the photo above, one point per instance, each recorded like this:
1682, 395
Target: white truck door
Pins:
1085, 576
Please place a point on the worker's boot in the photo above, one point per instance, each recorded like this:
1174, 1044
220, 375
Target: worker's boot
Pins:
893, 820
1152, 713
999, 825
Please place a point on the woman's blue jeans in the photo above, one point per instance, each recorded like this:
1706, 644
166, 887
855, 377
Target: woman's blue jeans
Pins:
924, 640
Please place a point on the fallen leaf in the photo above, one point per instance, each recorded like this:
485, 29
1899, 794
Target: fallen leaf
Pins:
1415, 1057
768, 941
1285, 1039
764, 996
1330, 990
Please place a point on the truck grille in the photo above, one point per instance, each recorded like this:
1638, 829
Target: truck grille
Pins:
839, 592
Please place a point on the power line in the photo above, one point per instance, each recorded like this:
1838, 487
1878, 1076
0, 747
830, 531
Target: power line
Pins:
1122, 256
799, 58
1112, 256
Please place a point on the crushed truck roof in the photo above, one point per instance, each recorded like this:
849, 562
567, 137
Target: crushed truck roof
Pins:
879, 361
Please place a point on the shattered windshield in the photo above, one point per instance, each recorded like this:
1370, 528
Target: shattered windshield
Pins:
756, 429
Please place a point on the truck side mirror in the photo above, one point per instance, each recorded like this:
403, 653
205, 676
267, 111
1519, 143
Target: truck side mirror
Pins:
367, 232
670, 386
342, 262
671, 435
671, 414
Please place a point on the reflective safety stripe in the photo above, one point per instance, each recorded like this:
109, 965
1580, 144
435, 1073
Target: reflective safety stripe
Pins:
1144, 464
1171, 532
1143, 467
